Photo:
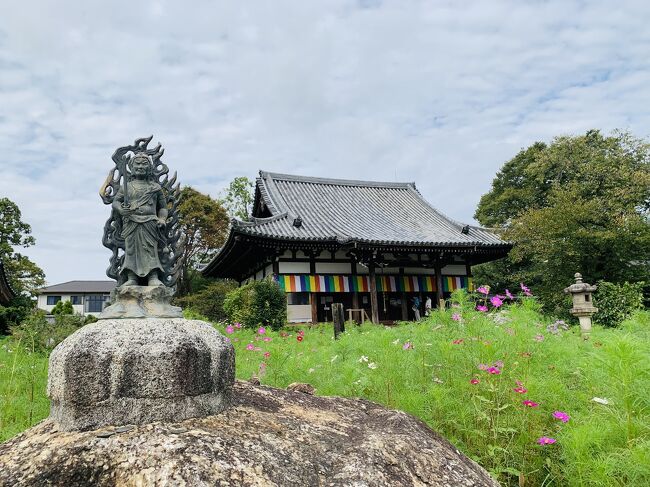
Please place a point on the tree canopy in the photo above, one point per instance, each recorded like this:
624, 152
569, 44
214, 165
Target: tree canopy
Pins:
204, 223
239, 198
578, 204
23, 274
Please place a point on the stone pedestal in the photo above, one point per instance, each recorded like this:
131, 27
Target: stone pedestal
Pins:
136, 371
141, 302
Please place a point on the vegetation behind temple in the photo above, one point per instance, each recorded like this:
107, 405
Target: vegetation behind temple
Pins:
425, 368
578, 204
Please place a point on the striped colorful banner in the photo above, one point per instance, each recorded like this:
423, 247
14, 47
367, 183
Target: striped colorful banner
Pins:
451, 283
295, 283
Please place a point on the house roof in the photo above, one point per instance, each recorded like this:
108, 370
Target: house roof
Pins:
6, 291
79, 287
362, 211
339, 212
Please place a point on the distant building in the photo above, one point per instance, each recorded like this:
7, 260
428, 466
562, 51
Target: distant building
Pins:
376, 247
87, 297
6, 292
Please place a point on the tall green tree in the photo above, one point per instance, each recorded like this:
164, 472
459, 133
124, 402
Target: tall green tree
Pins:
578, 204
204, 223
23, 274
239, 198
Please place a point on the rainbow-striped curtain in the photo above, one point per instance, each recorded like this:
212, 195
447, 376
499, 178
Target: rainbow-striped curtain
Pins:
293, 283
451, 283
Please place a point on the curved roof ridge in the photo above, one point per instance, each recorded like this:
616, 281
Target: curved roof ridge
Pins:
336, 182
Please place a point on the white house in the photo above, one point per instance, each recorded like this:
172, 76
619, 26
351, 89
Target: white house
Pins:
87, 297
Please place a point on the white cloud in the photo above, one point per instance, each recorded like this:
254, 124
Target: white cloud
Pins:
440, 93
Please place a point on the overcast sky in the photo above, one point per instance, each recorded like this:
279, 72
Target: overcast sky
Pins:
440, 93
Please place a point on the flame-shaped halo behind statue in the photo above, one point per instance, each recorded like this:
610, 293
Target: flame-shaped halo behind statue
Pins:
170, 251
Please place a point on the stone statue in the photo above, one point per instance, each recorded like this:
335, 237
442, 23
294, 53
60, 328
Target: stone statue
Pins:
143, 230
142, 361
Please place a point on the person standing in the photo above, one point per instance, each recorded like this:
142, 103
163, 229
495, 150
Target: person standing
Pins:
427, 306
416, 308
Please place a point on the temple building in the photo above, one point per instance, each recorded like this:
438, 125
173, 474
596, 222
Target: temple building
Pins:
373, 246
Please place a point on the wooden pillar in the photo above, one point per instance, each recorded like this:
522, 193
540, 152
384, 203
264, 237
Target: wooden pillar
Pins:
374, 305
405, 312
439, 294
313, 300
355, 294
338, 318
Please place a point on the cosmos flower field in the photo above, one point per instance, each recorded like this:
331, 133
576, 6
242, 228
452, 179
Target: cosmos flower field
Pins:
522, 394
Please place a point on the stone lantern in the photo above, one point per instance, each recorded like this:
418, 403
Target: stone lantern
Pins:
583, 306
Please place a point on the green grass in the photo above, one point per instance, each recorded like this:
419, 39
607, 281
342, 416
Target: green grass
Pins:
601, 444
23, 377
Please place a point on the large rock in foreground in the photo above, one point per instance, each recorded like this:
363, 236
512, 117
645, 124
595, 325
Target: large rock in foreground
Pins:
269, 437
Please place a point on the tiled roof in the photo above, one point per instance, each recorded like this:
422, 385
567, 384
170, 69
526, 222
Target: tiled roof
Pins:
363, 211
79, 287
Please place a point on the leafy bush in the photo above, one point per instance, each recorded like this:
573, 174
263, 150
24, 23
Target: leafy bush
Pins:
208, 302
617, 302
38, 335
63, 308
257, 303
15, 312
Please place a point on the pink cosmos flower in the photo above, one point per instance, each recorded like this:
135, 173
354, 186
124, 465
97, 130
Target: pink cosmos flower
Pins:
237, 325
520, 390
498, 363
407, 346
458, 341
474, 381
562, 416
496, 301
545, 440
519, 383
267, 339
481, 308
250, 346
509, 295
299, 338
267, 354
455, 317
482, 367
525, 289
261, 330
493, 371
230, 329
483, 290
530, 404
